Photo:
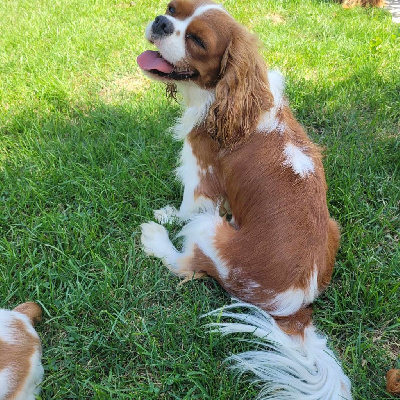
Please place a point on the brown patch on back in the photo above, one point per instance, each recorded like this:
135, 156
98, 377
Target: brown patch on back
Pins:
284, 230
325, 274
282, 218
17, 356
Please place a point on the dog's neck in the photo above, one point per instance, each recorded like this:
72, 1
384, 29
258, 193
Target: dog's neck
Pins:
195, 96
196, 102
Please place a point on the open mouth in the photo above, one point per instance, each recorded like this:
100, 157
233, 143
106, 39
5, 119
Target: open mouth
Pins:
152, 61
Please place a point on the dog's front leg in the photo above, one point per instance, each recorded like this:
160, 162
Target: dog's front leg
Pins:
192, 203
196, 183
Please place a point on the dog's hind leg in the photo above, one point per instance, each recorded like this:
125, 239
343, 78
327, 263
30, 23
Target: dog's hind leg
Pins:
199, 255
156, 242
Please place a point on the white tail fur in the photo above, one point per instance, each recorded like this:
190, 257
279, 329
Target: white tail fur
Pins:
288, 367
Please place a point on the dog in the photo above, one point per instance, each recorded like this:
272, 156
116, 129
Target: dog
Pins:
21, 370
254, 199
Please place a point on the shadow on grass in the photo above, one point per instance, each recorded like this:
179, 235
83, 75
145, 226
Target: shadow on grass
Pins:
73, 142
363, 103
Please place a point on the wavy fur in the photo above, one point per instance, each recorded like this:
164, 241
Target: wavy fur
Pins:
241, 94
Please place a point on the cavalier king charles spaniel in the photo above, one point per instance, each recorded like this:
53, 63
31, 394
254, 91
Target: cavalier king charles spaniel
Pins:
254, 200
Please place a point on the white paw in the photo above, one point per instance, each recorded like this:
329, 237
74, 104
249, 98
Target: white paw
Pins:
166, 214
155, 240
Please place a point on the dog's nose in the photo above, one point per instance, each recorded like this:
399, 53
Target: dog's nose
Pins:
162, 26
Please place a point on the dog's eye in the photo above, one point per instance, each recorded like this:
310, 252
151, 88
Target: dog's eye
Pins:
196, 40
171, 10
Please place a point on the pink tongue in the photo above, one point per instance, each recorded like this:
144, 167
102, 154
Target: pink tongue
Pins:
152, 60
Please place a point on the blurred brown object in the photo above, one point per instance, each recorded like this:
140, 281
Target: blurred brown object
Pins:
362, 3
393, 382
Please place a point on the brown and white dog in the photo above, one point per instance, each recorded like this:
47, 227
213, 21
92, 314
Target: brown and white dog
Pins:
21, 369
243, 151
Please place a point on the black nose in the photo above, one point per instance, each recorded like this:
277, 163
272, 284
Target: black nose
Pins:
162, 26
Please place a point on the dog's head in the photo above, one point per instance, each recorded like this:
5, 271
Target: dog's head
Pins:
191, 39
199, 42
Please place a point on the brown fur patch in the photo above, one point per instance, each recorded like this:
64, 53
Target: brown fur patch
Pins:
393, 382
296, 323
215, 32
185, 8
205, 149
284, 229
32, 310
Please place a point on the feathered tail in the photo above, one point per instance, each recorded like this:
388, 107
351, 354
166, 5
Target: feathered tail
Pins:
288, 367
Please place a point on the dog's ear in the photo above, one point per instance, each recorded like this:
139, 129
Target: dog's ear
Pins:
242, 93
32, 310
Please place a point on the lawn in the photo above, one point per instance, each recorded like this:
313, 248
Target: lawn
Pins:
85, 156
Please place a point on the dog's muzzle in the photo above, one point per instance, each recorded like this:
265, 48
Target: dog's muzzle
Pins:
162, 27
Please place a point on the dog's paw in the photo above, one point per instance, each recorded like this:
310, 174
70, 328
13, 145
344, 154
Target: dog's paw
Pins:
166, 215
155, 240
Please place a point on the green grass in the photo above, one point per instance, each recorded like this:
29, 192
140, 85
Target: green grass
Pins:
85, 157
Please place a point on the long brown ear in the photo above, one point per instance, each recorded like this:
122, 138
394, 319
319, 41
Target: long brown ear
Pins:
32, 310
242, 93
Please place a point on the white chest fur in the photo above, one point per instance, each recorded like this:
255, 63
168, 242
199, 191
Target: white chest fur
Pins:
197, 102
